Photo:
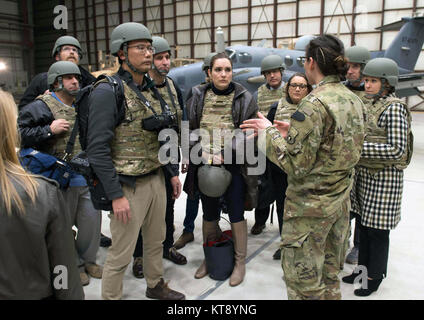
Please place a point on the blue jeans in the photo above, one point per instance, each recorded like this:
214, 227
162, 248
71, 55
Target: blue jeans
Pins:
192, 207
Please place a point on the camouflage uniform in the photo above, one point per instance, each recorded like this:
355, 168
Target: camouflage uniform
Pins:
321, 149
285, 110
266, 97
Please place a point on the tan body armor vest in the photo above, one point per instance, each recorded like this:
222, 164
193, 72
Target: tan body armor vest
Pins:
377, 134
217, 114
135, 150
267, 97
61, 111
285, 110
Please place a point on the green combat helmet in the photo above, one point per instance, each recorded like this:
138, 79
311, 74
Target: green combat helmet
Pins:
272, 62
213, 181
59, 69
161, 45
66, 40
358, 54
383, 68
207, 61
125, 33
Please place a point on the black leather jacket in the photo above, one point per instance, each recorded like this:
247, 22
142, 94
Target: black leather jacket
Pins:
38, 247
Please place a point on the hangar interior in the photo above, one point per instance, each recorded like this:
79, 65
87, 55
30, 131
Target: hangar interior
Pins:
27, 35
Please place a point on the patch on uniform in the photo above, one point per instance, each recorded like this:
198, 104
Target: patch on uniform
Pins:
299, 116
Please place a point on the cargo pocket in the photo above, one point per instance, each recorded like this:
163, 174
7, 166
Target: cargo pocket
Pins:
298, 259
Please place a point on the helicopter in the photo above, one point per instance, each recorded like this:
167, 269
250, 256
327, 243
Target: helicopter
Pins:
404, 49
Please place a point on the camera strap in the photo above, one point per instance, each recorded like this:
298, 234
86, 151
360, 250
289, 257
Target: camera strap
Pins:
171, 96
164, 106
71, 141
140, 95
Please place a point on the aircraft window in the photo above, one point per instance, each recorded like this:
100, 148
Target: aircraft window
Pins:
231, 54
288, 60
245, 57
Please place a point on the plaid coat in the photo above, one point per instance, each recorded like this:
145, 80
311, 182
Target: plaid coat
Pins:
377, 194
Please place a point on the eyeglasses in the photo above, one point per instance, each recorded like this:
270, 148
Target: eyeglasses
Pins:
73, 49
298, 85
143, 49
302, 59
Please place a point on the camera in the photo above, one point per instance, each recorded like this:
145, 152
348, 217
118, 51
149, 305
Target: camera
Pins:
159, 122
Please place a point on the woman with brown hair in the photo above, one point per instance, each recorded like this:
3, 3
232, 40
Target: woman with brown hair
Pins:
36, 245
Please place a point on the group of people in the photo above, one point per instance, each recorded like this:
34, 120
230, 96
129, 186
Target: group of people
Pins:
336, 150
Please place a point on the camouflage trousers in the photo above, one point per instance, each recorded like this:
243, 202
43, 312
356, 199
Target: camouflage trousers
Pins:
313, 253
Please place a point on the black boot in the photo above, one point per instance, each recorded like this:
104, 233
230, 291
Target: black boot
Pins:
350, 279
372, 286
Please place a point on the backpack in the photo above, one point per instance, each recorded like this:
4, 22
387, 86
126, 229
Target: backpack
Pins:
80, 162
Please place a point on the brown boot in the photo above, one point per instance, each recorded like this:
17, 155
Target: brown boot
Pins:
184, 238
239, 231
163, 292
210, 231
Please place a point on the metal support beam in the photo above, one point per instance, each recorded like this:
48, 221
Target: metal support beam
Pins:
352, 37
175, 29
212, 25
383, 7
96, 49
274, 28
121, 17
87, 32
106, 26
297, 20
229, 22
130, 10
321, 22
145, 12
74, 19
162, 18
249, 22
191, 30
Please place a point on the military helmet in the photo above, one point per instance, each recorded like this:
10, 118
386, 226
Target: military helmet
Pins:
61, 68
66, 40
272, 62
358, 54
213, 181
207, 61
126, 32
382, 68
160, 44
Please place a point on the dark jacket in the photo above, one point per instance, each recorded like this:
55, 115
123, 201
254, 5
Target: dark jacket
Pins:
103, 119
33, 244
39, 85
244, 107
34, 126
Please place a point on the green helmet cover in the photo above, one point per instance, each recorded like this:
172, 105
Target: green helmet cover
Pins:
126, 32
358, 54
66, 40
383, 68
213, 181
61, 68
160, 44
272, 62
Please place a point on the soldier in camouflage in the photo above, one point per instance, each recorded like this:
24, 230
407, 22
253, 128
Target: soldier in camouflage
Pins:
46, 125
358, 56
123, 152
272, 67
169, 97
318, 150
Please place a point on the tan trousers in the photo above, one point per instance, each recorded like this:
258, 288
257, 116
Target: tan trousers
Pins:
148, 205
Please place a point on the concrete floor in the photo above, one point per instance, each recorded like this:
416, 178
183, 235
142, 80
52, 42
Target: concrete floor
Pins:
263, 279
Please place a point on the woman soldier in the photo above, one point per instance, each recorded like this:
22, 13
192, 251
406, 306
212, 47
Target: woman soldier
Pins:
387, 151
222, 105
296, 89
318, 150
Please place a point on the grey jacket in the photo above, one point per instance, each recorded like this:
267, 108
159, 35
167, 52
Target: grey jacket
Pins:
244, 107
37, 248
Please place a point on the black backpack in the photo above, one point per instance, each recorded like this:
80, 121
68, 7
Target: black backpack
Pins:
83, 106
80, 162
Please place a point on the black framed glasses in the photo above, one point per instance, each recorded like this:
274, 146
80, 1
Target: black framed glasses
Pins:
143, 49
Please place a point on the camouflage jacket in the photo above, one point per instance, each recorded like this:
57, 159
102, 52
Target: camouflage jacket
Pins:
322, 147
266, 97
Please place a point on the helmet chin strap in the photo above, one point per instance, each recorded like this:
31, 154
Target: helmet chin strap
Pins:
134, 69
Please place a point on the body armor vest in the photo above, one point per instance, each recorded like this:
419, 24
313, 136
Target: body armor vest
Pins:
285, 110
217, 114
267, 97
61, 111
376, 134
135, 150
